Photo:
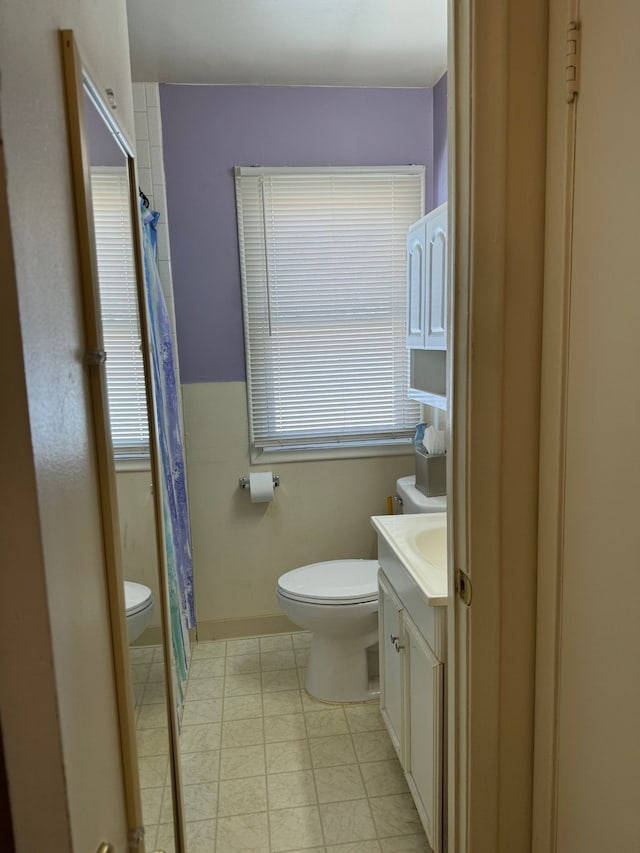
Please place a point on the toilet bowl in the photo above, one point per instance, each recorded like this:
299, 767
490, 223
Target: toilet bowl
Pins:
338, 602
138, 600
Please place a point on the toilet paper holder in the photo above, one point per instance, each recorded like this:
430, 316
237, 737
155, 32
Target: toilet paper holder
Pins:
244, 481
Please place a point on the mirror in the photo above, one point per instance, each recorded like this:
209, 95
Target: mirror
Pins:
147, 655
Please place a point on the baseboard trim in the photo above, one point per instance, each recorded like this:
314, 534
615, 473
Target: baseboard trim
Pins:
253, 626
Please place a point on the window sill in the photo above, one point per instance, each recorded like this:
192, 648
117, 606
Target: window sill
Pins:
316, 454
129, 466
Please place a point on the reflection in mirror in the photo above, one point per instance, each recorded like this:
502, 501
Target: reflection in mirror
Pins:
127, 405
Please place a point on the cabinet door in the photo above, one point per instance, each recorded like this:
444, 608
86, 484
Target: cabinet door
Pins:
389, 627
424, 721
435, 332
416, 260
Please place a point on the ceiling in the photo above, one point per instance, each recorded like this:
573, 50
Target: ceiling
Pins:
289, 42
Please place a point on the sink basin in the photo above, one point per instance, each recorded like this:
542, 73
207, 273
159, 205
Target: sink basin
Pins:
432, 545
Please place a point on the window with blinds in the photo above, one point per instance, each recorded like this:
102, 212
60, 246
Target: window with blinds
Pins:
323, 262
119, 310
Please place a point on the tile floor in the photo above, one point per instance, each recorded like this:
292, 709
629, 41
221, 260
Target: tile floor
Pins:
265, 767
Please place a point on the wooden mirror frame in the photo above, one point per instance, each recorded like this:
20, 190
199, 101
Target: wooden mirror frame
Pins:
78, 82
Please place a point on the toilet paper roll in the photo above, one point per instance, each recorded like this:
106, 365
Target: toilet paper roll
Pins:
261, 487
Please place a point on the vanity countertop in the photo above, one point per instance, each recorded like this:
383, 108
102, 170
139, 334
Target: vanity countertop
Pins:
420, 543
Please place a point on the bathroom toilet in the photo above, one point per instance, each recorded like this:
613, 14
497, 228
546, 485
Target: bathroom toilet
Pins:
138, 601
338, 601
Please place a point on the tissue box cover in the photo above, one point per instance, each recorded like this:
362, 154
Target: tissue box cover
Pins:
431, 473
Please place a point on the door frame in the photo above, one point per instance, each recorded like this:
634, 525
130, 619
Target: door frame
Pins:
497, 143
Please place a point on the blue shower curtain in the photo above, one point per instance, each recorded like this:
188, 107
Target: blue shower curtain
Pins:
174, 493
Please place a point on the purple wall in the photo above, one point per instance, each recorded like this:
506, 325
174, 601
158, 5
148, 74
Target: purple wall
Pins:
440, 159
207, 130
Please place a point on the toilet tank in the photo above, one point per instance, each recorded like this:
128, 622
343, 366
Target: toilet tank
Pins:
414, 501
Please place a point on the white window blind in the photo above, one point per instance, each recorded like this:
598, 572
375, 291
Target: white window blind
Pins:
119, 309
323, 261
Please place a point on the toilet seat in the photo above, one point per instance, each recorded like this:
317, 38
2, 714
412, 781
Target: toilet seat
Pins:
137, 597
333, 582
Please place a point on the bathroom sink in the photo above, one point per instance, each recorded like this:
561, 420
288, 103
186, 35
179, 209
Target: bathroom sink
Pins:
432, 545
420, 544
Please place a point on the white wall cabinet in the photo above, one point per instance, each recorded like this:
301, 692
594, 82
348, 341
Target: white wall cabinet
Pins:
427, 281
412, 697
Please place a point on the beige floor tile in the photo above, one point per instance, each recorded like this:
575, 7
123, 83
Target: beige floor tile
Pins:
242, 707
152, 742
353, 847
201, 836
207, 668
244, 646
364, 718
158, 654
200, 767
395, 815
241, 685
347, 822
243, 664
302, 677
284, 727
200, 738
201, 711
165, 839
242, 796
279, 659
152, 717
295, 829
405, 844
301, 639
153, 770
336, 784
310, 703
285, 702
154, 692
205, 688
326, 723
139, 673
247, 732
382, 778
141, 654
373, 746
156, 672
200, 801
302, 656
288, 756
210, 649
291, 789
279, 679
247, 833
151, 804
242, 761
276, 643
331, 751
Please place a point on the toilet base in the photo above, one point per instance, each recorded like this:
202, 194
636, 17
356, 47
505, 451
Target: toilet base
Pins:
338, 669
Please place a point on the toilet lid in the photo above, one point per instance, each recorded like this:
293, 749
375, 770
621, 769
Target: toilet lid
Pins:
333, 582
137, 597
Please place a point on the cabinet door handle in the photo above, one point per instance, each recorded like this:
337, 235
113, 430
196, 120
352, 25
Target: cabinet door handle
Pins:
398, 645
394, 639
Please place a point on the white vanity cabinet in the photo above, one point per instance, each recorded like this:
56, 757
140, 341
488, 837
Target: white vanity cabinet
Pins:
427, 281
412, 696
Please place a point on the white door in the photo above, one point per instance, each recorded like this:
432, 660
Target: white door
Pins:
390, 631
596, 772
416, 259
436, 279
424, 728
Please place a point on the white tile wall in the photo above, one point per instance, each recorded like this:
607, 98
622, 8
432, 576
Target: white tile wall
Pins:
150, 165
